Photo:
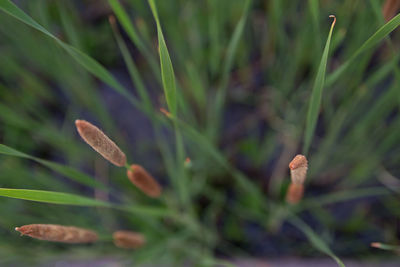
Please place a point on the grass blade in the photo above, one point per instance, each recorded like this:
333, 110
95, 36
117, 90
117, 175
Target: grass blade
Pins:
385, 246
86, 61
52, 197
315, 240
67, 171
377, 37
133, 34
132, 68
216, 115
315, 101
167, 71
61, 198
168, 79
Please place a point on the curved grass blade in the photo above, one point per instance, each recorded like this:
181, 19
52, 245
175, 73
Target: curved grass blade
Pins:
128, 26
132, 68
315, 240
52, 197
67, 171
167, 71
61, 198
315, 101
169, 85
377, 37
86, 61
216, 116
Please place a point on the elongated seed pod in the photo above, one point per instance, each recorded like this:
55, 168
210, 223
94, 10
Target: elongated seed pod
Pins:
144, 181
295, 193
128, 239
390, 9
298, 169
100, 142
58, 233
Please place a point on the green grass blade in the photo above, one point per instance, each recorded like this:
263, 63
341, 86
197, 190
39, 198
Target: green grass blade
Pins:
315, 240
132, 68
385, 246
377, 37
133, 34
87, 62
8, 7
169, 85
316, 95
341, 196
216, 115
125, 21
52, 197
167, 71
67, 171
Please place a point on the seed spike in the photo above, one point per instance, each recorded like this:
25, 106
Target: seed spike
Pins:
298, 172
58, 233
144, 181
100, 142
128, 239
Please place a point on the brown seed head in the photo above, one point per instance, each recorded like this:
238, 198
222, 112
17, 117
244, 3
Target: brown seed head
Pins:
390, 9
376, 245
144, 181
100, 142
58, 233
295, 193
298, 169
298, 161
128, 239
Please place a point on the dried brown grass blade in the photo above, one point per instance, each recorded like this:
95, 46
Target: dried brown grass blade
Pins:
144, 181
100, 142
58, 233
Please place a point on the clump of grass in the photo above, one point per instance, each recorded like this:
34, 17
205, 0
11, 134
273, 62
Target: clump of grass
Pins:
343, 121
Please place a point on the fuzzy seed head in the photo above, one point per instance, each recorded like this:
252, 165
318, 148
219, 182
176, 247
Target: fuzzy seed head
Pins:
58, 233
144, 181
295, 193
94, 137
298, 169
128, 239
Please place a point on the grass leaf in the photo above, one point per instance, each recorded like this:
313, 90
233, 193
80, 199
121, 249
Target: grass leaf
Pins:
385, 246
67, 171
132, 68
167, 71
216, 115
377, 37
52, 197
315, 240
86, 61
316, 95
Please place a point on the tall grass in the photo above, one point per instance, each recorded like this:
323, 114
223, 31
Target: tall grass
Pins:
244, 86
